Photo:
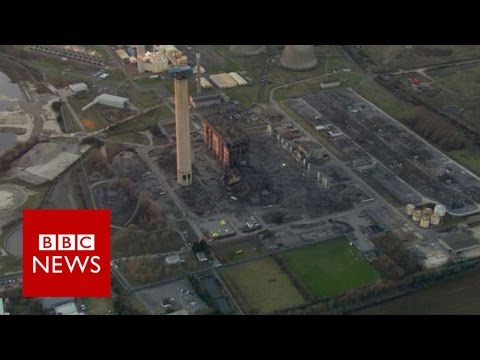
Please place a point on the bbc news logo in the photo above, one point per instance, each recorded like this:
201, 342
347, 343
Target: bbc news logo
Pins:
66, 253
66, 242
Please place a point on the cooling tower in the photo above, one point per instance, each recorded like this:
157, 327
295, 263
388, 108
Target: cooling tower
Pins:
248, 50
298, 57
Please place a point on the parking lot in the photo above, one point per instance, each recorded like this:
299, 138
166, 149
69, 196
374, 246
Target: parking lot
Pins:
179, 294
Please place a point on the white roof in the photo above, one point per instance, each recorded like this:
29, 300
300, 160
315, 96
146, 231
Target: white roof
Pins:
1, 307
109, 97
78, 87
173, 259
67, 309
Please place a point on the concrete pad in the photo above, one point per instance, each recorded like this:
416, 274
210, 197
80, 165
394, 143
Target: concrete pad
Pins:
54, 167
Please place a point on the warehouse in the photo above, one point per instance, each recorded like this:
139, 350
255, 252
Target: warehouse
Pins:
112, 100
122, 54
204, 101
226, 141
459, 242
223, 81
237, 78
205, 84
109, 100
155, 62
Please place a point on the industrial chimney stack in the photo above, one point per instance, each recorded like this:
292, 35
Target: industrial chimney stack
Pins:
199, 74
140, 56
180, 74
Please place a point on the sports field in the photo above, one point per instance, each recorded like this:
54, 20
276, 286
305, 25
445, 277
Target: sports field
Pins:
330, 267
261, 287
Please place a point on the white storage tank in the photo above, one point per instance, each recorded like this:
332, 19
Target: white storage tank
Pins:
417, 215
440, 210
424, 222
435, 219
410, 209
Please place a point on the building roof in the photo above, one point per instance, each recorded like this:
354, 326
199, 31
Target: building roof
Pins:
205, 97
201, 256
109, 97
67, 309
460, 242
173, 259
48, 303
78, 87
2, 312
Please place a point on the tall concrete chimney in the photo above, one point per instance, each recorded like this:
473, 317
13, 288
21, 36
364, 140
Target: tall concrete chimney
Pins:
140, 55
181, 73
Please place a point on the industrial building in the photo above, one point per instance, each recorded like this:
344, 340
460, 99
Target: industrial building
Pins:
205, 84
123, 55
209, 100
66, 309
155, 62
459, 242
206, 100
237, 78
78, 87
2, 311
74, 52
227, 142
223, 81
109, 100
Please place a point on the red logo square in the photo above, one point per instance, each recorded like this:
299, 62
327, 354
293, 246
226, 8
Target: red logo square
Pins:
66, 253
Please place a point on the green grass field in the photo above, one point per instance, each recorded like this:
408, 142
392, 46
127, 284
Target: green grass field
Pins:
470, 157
133, 138
98, 306
238, 250
464, 81
261, 286
331, 267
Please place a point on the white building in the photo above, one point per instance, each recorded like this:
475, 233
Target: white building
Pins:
109, 100
66, 309
2, 311
78, 87
155, 62
173, 259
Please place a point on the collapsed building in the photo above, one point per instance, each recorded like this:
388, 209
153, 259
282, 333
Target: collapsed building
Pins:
227, 143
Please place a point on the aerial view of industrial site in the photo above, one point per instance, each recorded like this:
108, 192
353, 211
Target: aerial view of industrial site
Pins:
250, 179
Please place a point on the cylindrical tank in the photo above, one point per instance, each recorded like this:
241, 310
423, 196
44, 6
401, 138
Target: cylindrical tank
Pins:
424, 222
440, 210
417, 215
427, 212
299, 57
409, 209
435, 219
247, 50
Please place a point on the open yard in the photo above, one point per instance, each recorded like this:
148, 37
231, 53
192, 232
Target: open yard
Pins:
261, 287
98, 306
235, 250
331, 267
